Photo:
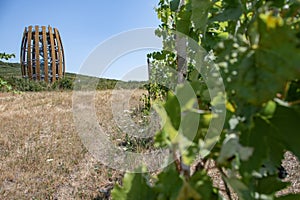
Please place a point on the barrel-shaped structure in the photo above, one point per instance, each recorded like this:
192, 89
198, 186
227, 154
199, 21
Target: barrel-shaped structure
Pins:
42, 54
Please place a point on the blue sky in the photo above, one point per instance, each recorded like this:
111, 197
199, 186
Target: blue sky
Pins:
82, 25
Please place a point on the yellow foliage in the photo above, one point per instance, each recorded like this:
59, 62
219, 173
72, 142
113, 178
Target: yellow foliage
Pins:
271, 21
230, 107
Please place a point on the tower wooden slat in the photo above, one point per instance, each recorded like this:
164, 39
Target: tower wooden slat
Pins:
53, 57
22, 53
29, 53
45, 53
37, 52
63, 55
59, 52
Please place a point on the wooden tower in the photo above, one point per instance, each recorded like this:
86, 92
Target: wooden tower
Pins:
42, 54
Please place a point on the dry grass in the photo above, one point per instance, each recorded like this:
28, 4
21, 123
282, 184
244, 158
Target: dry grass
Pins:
42, 156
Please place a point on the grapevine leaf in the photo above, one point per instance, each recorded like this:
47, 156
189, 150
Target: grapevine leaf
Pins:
184, 21
288, 197
199, 186
174, 4
232, 11
263, 138
186, 96
168, 130
286, 121
190, 124
269, 109
240, 188
188, 192
163, 187
172, 108
202, 183
269, 185
200, 13
293, 93
278, 3
274, 135
135, 186
264, 71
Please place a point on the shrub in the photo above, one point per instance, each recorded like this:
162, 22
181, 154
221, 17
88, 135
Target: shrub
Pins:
22, 84
63, 84
4, 86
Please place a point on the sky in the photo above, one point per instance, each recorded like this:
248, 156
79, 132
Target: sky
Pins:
83, 25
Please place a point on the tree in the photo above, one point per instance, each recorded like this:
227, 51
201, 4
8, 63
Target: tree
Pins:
6, 56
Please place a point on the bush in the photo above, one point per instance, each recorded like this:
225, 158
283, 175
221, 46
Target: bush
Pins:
26, 85
21, 84
4, 86
63, 84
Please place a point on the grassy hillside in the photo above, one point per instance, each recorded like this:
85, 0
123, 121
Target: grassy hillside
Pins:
10, 69
11, 72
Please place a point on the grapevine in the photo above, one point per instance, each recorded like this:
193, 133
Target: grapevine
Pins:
255, 45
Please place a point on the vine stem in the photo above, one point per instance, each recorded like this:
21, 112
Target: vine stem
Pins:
227, 190
180, 166
294, 102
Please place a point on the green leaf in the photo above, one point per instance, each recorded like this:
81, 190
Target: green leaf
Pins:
188, 192
172, 107
267, 145
198, 187
174, 4
200, 13
264, 71
293, 93
270, 138
190, 124
278, 3
240, 188
202, 183
286, 121
186, 97
135, 186
183, 22
168, 184
269, 185
231, 11
269, 109
289, 197
6, 56
168, 130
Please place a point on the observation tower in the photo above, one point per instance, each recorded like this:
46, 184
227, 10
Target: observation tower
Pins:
42, 54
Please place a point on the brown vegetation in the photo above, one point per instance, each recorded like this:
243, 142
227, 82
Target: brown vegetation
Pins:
42, 155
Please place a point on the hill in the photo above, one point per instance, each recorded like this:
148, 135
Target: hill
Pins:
11, 72
10, 69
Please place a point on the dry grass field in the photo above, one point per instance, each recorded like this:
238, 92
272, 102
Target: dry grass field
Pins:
42, 156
